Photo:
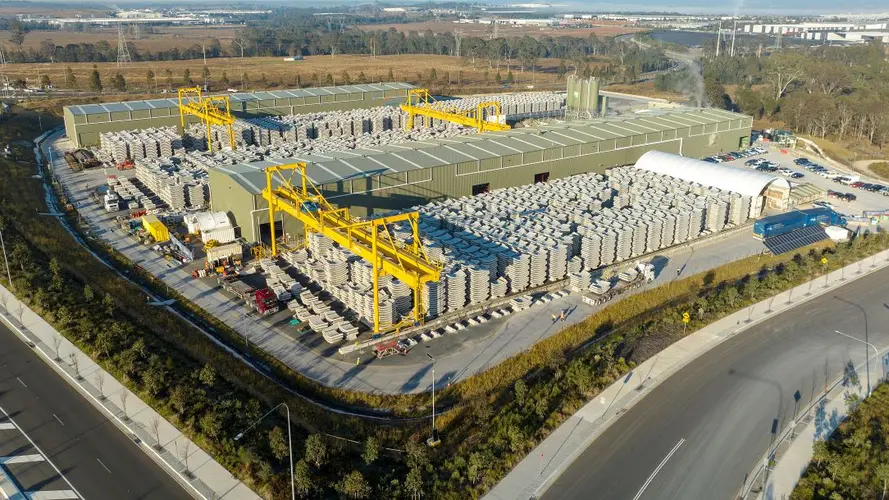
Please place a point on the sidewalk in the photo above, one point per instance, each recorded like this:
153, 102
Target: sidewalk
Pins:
791, 456
543, 465
176, 454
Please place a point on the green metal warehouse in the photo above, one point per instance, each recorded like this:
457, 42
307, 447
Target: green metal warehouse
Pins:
84, 123
403, 175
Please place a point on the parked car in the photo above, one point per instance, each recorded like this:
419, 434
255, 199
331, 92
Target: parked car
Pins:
885, 191
797, 175
786, 172
856, 184
848, 197
710, 159
754, 162
824, 204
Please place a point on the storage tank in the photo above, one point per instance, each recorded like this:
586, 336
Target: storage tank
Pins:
583, 97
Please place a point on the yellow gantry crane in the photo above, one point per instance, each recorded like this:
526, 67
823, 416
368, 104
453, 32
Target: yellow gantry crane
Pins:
420, 102
212, 110
369, 239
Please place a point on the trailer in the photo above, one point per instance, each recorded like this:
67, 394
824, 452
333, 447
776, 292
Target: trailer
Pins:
776, 225
602, 291
386, 349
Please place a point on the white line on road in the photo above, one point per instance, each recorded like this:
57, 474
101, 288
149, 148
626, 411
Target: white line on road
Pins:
5, 426
20, 381
658, 469
41, 452
59, 419
103, 465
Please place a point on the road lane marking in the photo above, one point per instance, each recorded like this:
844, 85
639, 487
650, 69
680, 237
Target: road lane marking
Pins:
658, 469
59, 419
41, 452
20, 381
103, 465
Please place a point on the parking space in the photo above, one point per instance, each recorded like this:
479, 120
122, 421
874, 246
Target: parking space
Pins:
24, 470
783, 164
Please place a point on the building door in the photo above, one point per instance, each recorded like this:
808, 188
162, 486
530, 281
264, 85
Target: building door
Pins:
481, 188
541, 177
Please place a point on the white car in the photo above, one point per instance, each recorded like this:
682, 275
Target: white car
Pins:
786, 172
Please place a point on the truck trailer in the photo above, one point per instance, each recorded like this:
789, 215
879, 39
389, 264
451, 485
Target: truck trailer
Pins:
776, 225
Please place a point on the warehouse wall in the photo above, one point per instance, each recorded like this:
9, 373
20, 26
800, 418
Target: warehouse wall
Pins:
385, 193
84, 130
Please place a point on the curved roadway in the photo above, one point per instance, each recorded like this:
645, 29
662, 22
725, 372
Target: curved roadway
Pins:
714, 418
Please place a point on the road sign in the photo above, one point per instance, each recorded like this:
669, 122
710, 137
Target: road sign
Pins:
824, 260
686, 318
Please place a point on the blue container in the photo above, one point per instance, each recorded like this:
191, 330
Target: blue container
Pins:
775, 225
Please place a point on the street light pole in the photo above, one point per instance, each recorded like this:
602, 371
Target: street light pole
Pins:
289, 441
5, 260
433, 441
867, 358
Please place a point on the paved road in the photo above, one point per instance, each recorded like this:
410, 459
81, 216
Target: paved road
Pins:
98, 460
716, 415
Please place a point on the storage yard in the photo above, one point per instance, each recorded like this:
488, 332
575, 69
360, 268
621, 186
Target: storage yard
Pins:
564, 211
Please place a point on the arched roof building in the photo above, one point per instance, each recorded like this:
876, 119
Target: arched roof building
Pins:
725, 177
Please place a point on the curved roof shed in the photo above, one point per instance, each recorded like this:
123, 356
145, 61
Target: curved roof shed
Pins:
725, 177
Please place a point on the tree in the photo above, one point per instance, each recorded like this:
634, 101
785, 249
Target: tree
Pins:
70, 79
509, 78
168, 73
346, 79
278, 443
562, 69
302, 478
413, 483
207, 375
205, 75
371, 450
149, 77
48, 50
328, 79
316, 450
17, 33
433, 75
118, 82
224, 78
88, 293
783, 69
355, 486
186, 76
108, 304
389, 76
361, 78
416, 453
521, 391
154, 423
45, 83
476, 467
95, 80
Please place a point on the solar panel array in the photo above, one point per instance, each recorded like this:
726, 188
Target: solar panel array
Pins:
795, 239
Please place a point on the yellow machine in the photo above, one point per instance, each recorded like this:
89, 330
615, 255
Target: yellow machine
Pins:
419, 102
212, 110
369, 239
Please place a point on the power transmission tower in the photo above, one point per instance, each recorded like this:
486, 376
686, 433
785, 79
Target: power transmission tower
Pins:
123, 54
3, 73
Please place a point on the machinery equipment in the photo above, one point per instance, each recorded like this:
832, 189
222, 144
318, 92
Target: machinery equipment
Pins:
629, 279
369, 239
212, 110
420, 102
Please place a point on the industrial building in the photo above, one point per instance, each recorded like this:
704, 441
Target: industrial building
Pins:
84, 123
397, 176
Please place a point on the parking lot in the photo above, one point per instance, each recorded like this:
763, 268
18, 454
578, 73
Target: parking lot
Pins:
864, 200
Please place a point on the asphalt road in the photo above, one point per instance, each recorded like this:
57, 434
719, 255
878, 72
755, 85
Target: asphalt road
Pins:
98, 460
699, 433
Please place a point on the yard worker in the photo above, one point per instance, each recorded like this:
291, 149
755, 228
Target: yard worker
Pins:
562, 315
555, 318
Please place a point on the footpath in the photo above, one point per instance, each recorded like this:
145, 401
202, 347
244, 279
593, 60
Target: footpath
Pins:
192, 467
543, 465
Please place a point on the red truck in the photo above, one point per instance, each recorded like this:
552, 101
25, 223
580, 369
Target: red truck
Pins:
266, 302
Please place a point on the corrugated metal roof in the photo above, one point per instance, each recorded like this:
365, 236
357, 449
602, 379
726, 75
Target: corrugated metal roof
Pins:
90, 109
332, 167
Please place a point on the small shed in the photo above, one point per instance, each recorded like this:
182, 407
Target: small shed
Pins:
212, 226
155, 228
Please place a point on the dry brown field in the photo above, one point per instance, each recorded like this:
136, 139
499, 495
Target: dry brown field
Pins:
38, 9
162, 37
282, 74
602, 30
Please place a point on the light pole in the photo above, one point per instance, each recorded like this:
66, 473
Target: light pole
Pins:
5, 260
433, 440
867, 358
289, 441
